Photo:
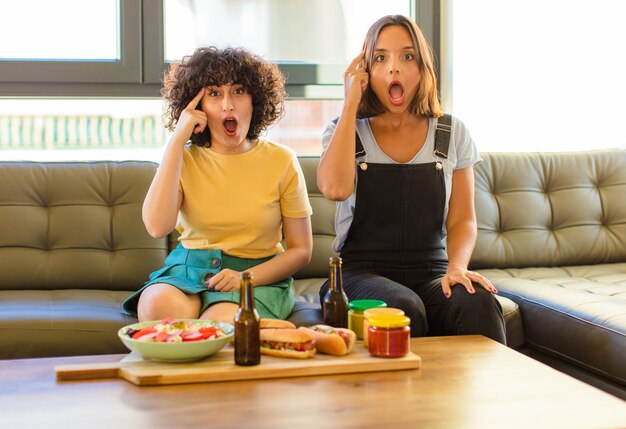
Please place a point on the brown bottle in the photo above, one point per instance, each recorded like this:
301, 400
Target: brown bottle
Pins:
335, 303
247, 325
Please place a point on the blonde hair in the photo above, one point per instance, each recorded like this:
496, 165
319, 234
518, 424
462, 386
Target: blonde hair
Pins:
426, 100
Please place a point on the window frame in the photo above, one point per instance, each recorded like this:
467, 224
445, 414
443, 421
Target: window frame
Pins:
39, 77
138, 72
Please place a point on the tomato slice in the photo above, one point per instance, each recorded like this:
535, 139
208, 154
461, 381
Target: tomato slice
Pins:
144, 331
192, 336
208, 331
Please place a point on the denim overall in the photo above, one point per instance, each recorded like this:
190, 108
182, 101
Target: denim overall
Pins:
394, 249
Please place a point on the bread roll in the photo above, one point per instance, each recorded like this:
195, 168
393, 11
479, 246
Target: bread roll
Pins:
276, 323
332, 341
289, 343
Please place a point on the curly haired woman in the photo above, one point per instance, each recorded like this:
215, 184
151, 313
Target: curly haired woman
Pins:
230, 194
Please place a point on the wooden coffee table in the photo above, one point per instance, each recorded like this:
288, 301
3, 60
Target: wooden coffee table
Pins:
464, 382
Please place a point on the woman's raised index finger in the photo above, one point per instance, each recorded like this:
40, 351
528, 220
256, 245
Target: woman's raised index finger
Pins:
357, 60
196, 100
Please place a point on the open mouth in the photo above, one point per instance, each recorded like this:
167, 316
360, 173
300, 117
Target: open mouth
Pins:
396, 93
230, 126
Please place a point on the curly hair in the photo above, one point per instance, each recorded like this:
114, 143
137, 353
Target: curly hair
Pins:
212, 66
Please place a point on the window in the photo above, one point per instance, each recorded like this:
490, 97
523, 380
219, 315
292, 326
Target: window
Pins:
60, 129
312, 41
55, 130
66, 38
68, 42
320, 31
89, 89
537, 75
119, 48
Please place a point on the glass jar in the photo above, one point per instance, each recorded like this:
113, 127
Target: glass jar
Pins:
357, 309
373, 311
389, 335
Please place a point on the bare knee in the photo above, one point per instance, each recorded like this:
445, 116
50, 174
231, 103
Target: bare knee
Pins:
222, 311
161, 300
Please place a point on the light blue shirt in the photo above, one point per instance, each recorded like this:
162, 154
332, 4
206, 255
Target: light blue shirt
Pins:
462, 153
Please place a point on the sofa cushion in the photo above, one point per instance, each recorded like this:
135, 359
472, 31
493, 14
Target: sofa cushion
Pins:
80, 322
515, 336
577, 313
68, 322
306, 314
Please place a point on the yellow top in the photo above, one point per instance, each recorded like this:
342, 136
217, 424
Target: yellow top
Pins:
235, 203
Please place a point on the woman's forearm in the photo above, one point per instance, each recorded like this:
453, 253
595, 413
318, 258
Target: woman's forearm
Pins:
336, 171
160, 208
460, 242
281, 266
299, 247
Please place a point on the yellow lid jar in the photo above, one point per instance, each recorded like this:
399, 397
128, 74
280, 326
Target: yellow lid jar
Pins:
389, 335
373, 311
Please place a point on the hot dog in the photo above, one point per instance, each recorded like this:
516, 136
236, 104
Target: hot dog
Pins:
332, 341
276, 323
289, 343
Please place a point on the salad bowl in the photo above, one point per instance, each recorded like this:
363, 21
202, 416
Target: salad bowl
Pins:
176, 340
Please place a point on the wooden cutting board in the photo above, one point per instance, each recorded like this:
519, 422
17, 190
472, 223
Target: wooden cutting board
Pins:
221, 367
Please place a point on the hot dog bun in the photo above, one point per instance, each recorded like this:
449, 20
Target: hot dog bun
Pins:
276, 323
285, 342
332, 341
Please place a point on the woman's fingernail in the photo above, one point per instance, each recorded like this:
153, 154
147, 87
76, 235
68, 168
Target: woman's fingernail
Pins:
447, 294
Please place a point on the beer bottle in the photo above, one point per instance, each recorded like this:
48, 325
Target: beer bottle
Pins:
247, 325
335, 303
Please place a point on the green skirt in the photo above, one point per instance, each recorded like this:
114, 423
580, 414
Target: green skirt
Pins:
188, 270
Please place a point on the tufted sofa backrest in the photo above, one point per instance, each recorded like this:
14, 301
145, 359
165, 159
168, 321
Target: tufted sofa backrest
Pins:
66, 225
71, 225
550, 209
322, 222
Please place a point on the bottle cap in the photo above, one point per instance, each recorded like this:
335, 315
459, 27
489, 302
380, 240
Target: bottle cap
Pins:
365, 304
335, 260
388, 321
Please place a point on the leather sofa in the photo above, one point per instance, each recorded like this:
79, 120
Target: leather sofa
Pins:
552, 237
